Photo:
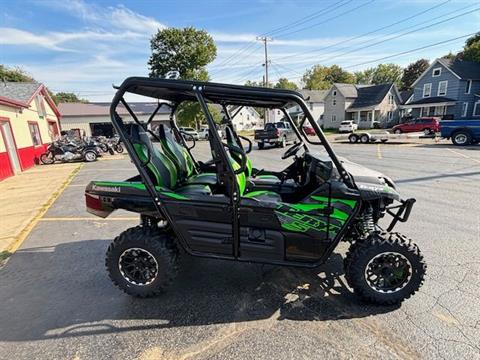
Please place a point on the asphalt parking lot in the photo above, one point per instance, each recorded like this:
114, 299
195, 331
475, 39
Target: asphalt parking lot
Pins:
58, 302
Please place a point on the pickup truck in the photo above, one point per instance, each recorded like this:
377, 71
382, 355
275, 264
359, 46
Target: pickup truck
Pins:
278, 134
462, 132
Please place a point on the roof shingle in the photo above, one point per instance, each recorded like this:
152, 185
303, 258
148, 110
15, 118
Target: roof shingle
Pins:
19, 91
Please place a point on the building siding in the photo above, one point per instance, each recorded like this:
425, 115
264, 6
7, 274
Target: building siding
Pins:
455, 90
338, 110
19, 119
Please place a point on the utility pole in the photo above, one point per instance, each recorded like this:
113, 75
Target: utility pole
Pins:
265, 40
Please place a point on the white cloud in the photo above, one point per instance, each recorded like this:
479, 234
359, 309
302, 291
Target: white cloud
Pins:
118, 17
12, 36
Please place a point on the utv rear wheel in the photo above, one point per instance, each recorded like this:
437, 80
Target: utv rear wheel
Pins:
385, 269
142, 261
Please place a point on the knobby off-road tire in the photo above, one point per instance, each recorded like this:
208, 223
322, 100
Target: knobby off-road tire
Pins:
148, 243
365, 257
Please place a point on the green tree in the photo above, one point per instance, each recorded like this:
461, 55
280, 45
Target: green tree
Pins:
321, 77
284, 83
364, 77
15, 74
471, 50
186, 50
191, 114
253, 83
387, 73
66, 97
412, 72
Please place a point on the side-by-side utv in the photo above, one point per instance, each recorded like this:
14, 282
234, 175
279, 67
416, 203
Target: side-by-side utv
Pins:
226, 208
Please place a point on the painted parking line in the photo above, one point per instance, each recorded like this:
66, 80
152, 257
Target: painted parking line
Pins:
46, 219
465, 156
379, 151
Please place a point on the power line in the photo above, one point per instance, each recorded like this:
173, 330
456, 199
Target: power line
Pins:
306, 19
249, 46
329, 19
396, 36
412, 50
326, 58
326, 20
405, 52
367, 33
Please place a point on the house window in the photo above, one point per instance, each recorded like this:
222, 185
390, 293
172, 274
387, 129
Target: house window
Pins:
334, 92
40, 105
468, 87
427, 90
278, 112
334, 118
390, 99
437, 72
390, 115
35, 133
464, 109
334, 102
476, 108
442, 88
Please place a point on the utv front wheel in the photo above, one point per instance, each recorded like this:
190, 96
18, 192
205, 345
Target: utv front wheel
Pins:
385, 269
142, 261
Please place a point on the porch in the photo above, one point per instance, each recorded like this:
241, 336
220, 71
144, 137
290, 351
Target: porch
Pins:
365, 119
438, 106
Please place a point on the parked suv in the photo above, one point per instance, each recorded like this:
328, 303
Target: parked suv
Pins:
428, 125
347, 126
189, 132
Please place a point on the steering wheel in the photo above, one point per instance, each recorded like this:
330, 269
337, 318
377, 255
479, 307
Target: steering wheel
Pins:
292, 150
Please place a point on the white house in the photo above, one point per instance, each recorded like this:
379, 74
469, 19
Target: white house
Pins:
314, 100
246, 118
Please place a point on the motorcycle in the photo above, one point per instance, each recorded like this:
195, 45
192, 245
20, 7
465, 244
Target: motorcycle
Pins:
68, 152
116, 144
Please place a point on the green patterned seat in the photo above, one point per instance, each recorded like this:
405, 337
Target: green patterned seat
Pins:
182, 160
161, 170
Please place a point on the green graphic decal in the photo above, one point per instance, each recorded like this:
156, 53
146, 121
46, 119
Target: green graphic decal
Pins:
303, 217
350, 203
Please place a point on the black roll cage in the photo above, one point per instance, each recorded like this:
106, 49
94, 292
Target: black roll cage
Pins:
203, 92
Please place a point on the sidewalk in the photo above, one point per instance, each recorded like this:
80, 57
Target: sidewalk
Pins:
25, 197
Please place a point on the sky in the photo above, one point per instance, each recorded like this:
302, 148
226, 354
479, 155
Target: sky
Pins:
85, 46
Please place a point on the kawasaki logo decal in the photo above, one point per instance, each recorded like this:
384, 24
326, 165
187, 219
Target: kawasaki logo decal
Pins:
106, 188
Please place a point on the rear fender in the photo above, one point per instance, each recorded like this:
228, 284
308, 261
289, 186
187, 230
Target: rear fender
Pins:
102, 198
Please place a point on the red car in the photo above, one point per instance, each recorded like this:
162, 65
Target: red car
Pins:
427, 125
309, 130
